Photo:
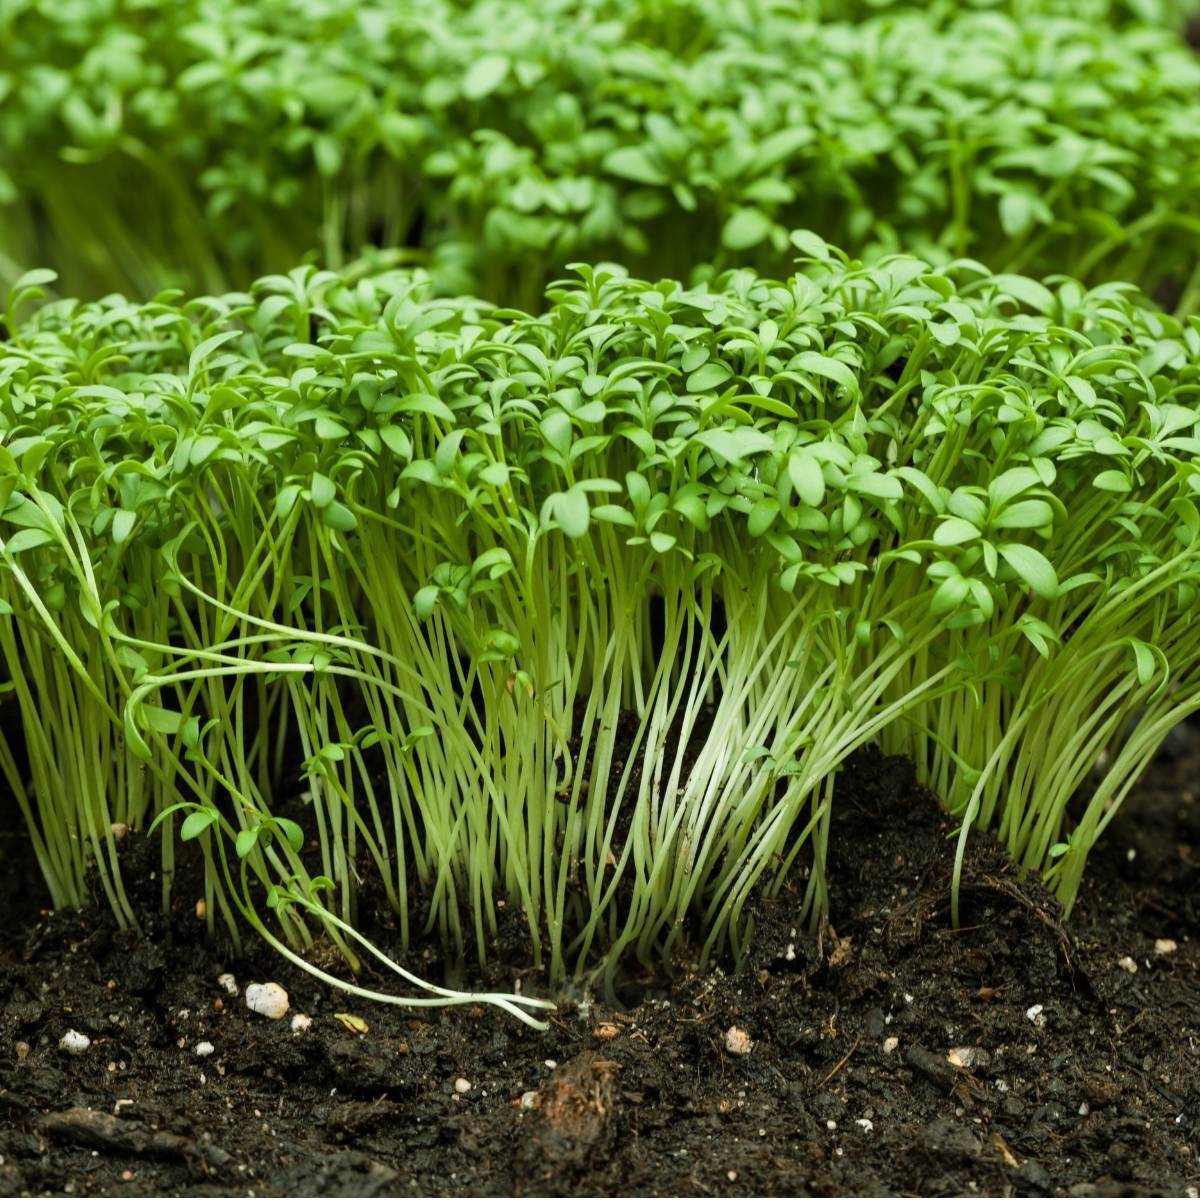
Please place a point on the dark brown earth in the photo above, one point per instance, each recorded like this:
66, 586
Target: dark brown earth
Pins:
893, 1055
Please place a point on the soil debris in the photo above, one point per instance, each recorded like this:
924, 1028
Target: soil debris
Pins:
87, 1127
574, 1113
738, 1041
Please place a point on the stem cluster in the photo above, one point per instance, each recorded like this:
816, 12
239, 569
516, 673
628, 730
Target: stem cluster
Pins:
577, 614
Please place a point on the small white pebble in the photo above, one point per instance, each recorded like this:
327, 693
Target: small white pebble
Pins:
831, 1125
462, 1086
528, 1099
908, 998
790, 955
74, 1042
890, 1044
1130, 854
203, 1049
1127, 964
1083, 1109
968, 1057
731, 1176
865, 1125
551, 1064
268, 999
1036, 1015
228, 982
737, 1041
1165, 946
300, 1022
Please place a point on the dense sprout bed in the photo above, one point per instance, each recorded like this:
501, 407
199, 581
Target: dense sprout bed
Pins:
146, 144
339, 521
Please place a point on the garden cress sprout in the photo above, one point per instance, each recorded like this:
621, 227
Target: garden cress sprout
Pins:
201, 144
580, 612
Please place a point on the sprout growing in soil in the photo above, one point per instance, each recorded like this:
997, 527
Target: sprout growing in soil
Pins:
578, 614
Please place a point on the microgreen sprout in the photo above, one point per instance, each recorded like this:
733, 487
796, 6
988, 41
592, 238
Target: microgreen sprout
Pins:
199, 144
578, 614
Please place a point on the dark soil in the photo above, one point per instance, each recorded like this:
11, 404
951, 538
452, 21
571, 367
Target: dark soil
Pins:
890, 1055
